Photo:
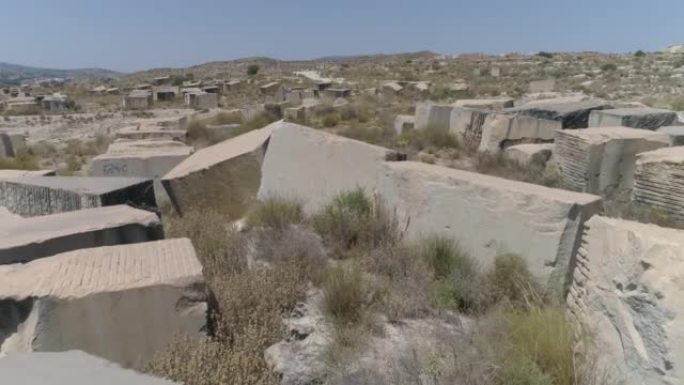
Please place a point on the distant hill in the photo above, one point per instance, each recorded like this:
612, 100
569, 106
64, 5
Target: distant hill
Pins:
14, 74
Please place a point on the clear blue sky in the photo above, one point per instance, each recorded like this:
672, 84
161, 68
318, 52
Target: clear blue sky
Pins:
132, 35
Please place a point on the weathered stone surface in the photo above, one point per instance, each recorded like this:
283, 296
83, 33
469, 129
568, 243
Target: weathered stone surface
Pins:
9, 174
224, 176
122, 303
33, 196
488, 104
490, 215
659, 180
649, 118
502, 130
302, 162
627, 291
134, 134
601, 160
572, 114
404, 123
676, 134
25, 239
467, 124
70, 368
524, 154
431, 114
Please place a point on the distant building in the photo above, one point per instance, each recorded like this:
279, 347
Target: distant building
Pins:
138, 100
165, 93
201, 100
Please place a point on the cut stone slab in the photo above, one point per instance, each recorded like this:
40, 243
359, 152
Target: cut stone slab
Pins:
601, 160
489, 216
224, 177
141, 158
34, 196
501, 130
676, 134
659, 181
627, 292
12, 145
524, 154
572, 114
404, 123
9, 174
488, 104
123, 303
467, 124
25, 239
648, 118
314, 166
431, 114
70, 368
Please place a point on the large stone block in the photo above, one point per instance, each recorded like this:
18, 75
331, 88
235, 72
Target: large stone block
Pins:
141, 158
659, 181
502, 130
224, 177
676, 134
601, 160
70, 368
491, 216
649, 118
33, 196
524, 154
467, 124
404, 123
627, 293
12, 145
431, 114
122, 303
25, 239
309, 164
572, 114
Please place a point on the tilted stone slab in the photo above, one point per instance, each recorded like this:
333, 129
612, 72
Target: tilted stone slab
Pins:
302, 162
502, 130
224, 177
489, 216
25, 239
122, 303
33, 196
572, 114
70, 368
659, 181
648, 118
601, 160
627, 292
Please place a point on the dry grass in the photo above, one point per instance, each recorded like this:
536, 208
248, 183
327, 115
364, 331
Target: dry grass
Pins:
277, 213
355, 222
536, 172
430, 138
20, 162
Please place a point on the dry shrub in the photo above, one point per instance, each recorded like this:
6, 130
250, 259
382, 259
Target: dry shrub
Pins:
276, 213
536, 172
353, 221
511, 281
246, 309
432, 137
457, 283
343, 294
20, 162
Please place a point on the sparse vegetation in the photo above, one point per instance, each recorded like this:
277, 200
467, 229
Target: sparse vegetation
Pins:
253, 69
20, 162
276, 213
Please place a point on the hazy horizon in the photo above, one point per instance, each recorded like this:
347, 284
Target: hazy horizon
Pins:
130, 36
